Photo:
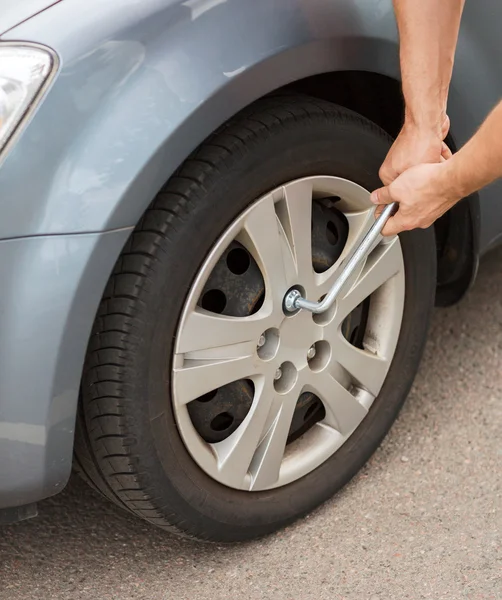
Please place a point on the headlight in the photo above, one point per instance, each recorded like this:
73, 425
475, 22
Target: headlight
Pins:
24, 72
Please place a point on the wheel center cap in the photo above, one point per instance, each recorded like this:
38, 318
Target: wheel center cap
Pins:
297, 336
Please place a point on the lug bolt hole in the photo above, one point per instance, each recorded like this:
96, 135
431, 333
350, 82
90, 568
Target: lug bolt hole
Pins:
285, 377
268, 344
287, 310
321, 356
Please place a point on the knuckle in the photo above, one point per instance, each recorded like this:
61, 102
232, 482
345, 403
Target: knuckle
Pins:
386, 174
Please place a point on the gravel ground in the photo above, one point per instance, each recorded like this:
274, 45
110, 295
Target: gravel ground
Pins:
422, 520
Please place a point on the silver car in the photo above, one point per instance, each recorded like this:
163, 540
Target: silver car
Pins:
170, 169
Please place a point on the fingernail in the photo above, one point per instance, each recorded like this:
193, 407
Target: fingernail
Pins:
374, 197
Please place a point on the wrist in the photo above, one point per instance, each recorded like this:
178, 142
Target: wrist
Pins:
435, 123
450, 182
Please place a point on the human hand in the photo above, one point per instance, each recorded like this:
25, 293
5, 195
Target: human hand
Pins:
424, 193
413, 146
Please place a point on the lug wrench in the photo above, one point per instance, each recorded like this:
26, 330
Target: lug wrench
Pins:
294, 301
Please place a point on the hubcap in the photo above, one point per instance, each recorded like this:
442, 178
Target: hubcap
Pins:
262, 398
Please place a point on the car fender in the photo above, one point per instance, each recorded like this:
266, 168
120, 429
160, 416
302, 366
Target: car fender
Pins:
141, 87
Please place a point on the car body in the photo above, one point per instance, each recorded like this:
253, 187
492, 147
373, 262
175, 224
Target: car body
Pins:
134, 89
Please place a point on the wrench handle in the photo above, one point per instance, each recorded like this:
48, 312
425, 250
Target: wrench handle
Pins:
294, 300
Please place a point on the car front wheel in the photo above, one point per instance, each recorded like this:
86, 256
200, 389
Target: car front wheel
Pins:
206, 408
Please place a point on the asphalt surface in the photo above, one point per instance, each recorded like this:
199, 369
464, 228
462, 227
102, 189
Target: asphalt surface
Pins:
422, 520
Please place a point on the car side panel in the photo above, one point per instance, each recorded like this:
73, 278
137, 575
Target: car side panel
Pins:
50, 289
142, 86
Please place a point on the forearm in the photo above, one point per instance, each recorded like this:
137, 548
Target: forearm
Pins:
428, 32
479, 162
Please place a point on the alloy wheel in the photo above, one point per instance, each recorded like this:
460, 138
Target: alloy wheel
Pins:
262, 398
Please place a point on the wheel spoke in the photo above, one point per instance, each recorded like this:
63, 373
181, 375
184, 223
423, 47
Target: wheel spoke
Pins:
296, 219
264, 237
203, 330
382, 264
236, 452
343, 411
267, 460
195, 377
359, 224
368, 369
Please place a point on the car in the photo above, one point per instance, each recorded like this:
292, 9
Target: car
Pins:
170, 169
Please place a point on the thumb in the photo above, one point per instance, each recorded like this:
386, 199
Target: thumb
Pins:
381, 196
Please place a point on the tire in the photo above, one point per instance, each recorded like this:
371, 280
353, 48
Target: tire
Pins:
128, 445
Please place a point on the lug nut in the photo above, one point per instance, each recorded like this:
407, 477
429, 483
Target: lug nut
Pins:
278, 374
311, 352
262, 340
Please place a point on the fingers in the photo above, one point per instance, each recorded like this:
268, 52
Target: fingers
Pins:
381, 196
394, 226
387, 174
379, 210
445, 152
